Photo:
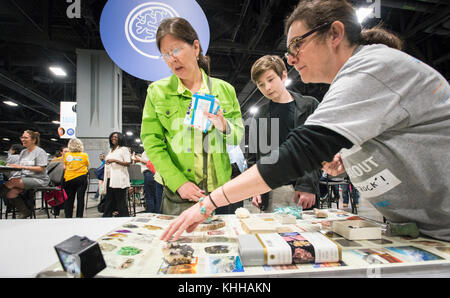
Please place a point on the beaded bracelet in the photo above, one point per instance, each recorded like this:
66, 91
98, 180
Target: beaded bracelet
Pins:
203, 208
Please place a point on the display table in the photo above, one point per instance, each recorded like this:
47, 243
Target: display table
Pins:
6, 169
131, 248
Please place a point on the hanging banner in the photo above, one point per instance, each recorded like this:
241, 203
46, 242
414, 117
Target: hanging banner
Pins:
128, 32
68, 120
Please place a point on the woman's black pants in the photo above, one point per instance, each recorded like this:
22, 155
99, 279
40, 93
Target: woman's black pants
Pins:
75, 187
115, 200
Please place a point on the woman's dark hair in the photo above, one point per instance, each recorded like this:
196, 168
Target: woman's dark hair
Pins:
16, 148
182, 29
34, 136
317, 12
120, 139
381, 35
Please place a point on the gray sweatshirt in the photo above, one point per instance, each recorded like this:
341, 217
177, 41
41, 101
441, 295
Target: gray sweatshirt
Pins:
396, 111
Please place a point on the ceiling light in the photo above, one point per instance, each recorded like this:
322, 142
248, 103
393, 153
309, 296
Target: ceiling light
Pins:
129, 133
10, 103
362, 13
253, 110
56, 122
53, 139
6, 139
58, 71
138, 140
287, 82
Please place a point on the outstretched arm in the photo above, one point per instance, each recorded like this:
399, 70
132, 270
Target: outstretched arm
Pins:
243, 186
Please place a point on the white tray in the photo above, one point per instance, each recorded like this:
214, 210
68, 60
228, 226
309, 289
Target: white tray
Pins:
357, 229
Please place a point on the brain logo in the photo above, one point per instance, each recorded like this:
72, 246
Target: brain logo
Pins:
141, 26
69, 158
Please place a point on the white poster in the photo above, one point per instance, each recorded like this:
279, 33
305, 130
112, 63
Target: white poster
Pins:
68, 120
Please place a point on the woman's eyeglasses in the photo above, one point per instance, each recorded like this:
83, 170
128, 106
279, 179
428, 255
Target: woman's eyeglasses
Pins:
295, 45
174, 53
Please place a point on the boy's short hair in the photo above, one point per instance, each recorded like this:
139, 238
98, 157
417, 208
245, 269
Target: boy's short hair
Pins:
265, 63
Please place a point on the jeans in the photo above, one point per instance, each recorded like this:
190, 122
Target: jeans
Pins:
152, 193
345, 191
75, 187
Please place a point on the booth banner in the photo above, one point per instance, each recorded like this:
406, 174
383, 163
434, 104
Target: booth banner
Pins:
128, 32
68, 120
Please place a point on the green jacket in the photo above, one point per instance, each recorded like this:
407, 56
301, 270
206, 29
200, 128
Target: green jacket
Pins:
169, 143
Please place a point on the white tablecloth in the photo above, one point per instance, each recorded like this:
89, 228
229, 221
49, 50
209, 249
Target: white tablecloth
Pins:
27, 246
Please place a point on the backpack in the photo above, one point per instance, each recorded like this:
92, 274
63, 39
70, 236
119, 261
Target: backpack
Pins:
55, 172
55, 197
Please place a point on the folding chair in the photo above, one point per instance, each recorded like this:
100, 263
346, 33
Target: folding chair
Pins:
55, 172
92, 180
136, 181
330, 198
27, 197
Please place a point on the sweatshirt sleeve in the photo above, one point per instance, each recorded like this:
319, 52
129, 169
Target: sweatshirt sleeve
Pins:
305, 149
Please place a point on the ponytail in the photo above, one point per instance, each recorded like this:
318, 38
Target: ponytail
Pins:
204, 62
380, 35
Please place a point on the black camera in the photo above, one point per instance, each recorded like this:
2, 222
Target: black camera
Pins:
80, 257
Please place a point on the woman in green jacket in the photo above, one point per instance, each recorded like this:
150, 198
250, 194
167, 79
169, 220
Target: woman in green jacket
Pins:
190, 163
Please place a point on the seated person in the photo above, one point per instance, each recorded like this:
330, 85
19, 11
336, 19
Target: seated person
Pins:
32, 163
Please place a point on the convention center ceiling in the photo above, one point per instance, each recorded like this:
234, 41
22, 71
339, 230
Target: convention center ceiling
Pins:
35, 34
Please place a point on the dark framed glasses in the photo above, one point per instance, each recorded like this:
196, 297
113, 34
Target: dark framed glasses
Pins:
295, 44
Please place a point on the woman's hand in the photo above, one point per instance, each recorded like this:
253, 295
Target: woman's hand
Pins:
218, 120
111, 160
190, 191
334, 167
187, 221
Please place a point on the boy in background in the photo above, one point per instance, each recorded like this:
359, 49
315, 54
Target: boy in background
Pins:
289, 110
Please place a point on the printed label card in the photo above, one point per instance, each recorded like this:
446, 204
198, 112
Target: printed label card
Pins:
200, 103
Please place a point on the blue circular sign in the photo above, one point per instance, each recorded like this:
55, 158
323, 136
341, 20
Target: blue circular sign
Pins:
70, 132
128, 33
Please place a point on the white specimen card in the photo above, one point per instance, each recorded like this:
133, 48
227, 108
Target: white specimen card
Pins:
200, 103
